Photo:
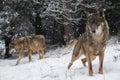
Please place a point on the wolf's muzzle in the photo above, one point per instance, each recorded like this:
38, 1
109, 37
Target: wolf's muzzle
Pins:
93, 31
12, 51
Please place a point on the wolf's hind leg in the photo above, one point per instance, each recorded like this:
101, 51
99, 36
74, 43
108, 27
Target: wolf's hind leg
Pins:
77, 52
74, 58
40, 52
71, 62
30, 56
84, 60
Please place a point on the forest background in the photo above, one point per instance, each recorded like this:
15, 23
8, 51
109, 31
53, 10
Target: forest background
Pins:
59, 20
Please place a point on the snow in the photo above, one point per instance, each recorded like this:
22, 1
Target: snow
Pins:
54, 66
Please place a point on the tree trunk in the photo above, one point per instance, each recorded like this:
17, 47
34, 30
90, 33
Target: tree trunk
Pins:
7, 41
38, 27
118, 34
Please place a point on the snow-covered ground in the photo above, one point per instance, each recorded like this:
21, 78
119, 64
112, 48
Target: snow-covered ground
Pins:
54, 66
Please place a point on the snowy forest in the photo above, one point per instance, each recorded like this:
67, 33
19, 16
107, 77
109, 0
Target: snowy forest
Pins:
60, 21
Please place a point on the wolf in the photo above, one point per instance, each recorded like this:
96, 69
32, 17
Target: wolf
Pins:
28, 44
93, 42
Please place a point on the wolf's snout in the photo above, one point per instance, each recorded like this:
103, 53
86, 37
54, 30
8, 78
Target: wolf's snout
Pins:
11, 51
93, 31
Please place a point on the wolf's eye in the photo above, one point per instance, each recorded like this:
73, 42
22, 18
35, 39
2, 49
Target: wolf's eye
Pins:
10, 46
100, 24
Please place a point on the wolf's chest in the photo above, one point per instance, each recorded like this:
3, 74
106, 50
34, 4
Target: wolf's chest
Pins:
97, 45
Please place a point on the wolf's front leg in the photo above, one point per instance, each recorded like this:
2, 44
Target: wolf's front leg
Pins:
89, 65
101, 58
21, 55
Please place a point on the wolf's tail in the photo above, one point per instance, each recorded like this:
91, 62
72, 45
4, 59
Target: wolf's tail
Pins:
73, 42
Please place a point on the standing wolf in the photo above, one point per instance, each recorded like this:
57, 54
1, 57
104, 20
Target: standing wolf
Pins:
28, 44
93, 42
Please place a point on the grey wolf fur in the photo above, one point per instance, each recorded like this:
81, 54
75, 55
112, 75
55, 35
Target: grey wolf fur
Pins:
28, 44
93, 42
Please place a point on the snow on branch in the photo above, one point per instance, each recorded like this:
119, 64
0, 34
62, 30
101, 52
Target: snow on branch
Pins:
66, 8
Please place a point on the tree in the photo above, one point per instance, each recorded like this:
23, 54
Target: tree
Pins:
67, 15
15, 21
58, 20
6, 15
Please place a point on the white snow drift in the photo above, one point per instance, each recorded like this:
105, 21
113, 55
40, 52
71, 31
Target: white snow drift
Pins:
54, 67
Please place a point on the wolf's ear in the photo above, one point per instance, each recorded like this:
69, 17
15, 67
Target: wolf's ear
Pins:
101, 13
